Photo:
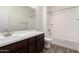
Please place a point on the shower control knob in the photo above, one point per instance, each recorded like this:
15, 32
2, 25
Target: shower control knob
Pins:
51, 24
49, 30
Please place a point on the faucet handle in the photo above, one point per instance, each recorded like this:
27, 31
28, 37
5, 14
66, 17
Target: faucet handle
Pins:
6, 30
49, 30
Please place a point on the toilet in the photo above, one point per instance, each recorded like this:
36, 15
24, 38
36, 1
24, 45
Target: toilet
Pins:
48, 41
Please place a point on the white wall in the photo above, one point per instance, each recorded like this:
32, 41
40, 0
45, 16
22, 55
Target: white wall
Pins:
45, 28
19, 18
39, 18
58, 8
34, 7
43, 19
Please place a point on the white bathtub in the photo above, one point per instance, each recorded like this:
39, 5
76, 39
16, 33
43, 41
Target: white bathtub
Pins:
72, 44
17, 36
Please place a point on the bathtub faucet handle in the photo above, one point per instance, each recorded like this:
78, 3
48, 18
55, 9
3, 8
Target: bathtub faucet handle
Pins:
49, 30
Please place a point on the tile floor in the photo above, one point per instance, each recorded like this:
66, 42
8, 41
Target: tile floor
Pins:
58, 49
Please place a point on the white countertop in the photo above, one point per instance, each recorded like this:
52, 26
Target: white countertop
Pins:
18, 36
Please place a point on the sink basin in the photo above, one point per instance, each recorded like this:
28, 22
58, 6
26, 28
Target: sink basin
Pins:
8, 40
5, 34
1, 36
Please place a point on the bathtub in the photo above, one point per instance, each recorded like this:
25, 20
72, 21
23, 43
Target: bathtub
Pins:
72, 44
18, 36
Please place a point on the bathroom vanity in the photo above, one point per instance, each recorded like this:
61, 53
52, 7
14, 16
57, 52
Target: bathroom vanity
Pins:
31, 44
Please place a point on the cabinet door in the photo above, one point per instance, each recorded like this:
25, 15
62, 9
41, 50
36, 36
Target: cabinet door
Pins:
31, 45
12, 48
39, 43
22, 50
31, 48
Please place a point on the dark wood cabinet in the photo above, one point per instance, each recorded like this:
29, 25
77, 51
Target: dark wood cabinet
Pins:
21, 50
39, 43
31, 48
14, 46
30, 45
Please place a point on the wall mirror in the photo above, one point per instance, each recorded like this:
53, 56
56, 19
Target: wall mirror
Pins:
17, 18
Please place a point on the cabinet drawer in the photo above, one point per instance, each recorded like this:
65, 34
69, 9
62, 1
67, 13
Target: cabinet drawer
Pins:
13, 47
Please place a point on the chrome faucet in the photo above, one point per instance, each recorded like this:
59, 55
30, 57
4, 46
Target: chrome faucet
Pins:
7, 33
